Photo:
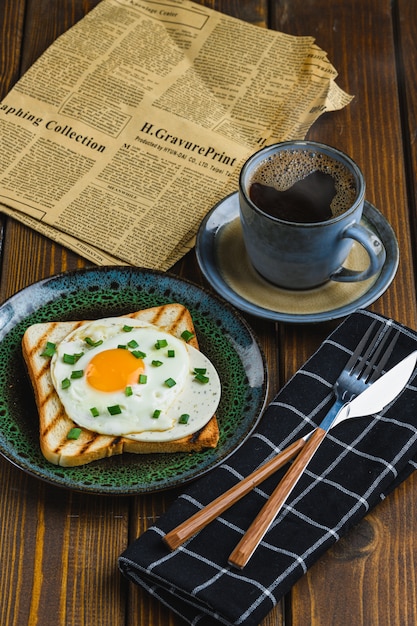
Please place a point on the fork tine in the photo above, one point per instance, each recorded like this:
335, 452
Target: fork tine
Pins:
364, 365
368, 374
357, 354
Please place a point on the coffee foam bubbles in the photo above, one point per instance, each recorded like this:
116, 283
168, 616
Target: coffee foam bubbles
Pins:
282, 169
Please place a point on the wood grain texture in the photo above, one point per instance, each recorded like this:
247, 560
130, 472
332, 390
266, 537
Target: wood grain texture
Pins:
256, 531
59, 549
405, 29
177, 536
57, 564
142, 604
12, 15
359, 38
28, 256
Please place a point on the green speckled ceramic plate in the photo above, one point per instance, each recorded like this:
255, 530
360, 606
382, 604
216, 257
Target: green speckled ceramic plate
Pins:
106, 291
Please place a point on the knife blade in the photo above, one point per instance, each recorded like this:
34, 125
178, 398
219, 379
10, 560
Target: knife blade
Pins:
378, 395
372, 400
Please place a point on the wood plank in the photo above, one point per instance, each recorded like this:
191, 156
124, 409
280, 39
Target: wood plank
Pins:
67, 577
28, 256
61, 547
367, 70
140, 603
11, 32
370, 131
45, 21
406, 31
12, 16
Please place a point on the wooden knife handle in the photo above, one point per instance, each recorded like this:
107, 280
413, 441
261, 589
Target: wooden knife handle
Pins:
199, 520
253, 536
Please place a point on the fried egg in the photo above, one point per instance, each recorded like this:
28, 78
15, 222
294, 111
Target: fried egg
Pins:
124, 377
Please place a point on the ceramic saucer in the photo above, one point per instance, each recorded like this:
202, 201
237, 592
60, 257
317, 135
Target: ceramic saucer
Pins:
223, 260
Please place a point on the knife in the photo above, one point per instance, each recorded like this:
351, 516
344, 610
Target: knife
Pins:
372, 400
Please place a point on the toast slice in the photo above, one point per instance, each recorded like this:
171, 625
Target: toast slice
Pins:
54, 423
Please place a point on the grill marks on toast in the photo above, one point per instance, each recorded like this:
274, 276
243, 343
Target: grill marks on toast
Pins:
87, 443
48, 335
50, 426
171, 317
175, 324
38, 346
55, 423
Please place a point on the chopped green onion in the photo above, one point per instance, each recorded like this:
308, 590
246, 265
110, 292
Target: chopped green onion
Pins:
184, 418
93, 343
142, 379
138, 354
201, 378
161, 343
156, 414
170, 382
187, 335
65, 383
94, 411
74, 433
114, 410
49, 349
156, 363
128, 391
133, 344
200, 370
77, 373
122, 346
127, 328
71, 359
171, 353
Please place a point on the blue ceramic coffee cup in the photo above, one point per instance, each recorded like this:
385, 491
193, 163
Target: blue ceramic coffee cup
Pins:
303, 251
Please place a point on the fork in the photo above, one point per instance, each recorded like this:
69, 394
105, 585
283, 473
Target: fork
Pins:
354, 378
350, 383
360, 371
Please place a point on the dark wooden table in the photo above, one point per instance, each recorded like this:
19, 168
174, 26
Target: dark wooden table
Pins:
59, 549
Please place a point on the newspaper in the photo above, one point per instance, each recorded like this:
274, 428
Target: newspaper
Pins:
136, 121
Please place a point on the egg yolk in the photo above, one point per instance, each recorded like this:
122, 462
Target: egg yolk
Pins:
113, 370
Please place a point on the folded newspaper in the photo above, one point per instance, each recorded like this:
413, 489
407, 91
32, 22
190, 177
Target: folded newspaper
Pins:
136, 121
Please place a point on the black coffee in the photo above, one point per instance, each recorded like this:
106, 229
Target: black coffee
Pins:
302, 185
308, 200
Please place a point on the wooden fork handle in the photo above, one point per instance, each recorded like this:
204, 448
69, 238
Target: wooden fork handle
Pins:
199, 520
256, 531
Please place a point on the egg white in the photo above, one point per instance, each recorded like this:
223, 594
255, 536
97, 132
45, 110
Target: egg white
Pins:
136, 421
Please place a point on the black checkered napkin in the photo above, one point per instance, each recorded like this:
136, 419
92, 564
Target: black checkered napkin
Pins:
358, 463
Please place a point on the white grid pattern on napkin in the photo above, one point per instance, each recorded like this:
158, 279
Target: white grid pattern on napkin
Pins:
353, 472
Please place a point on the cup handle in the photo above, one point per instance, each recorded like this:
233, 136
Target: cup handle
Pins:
374, 248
